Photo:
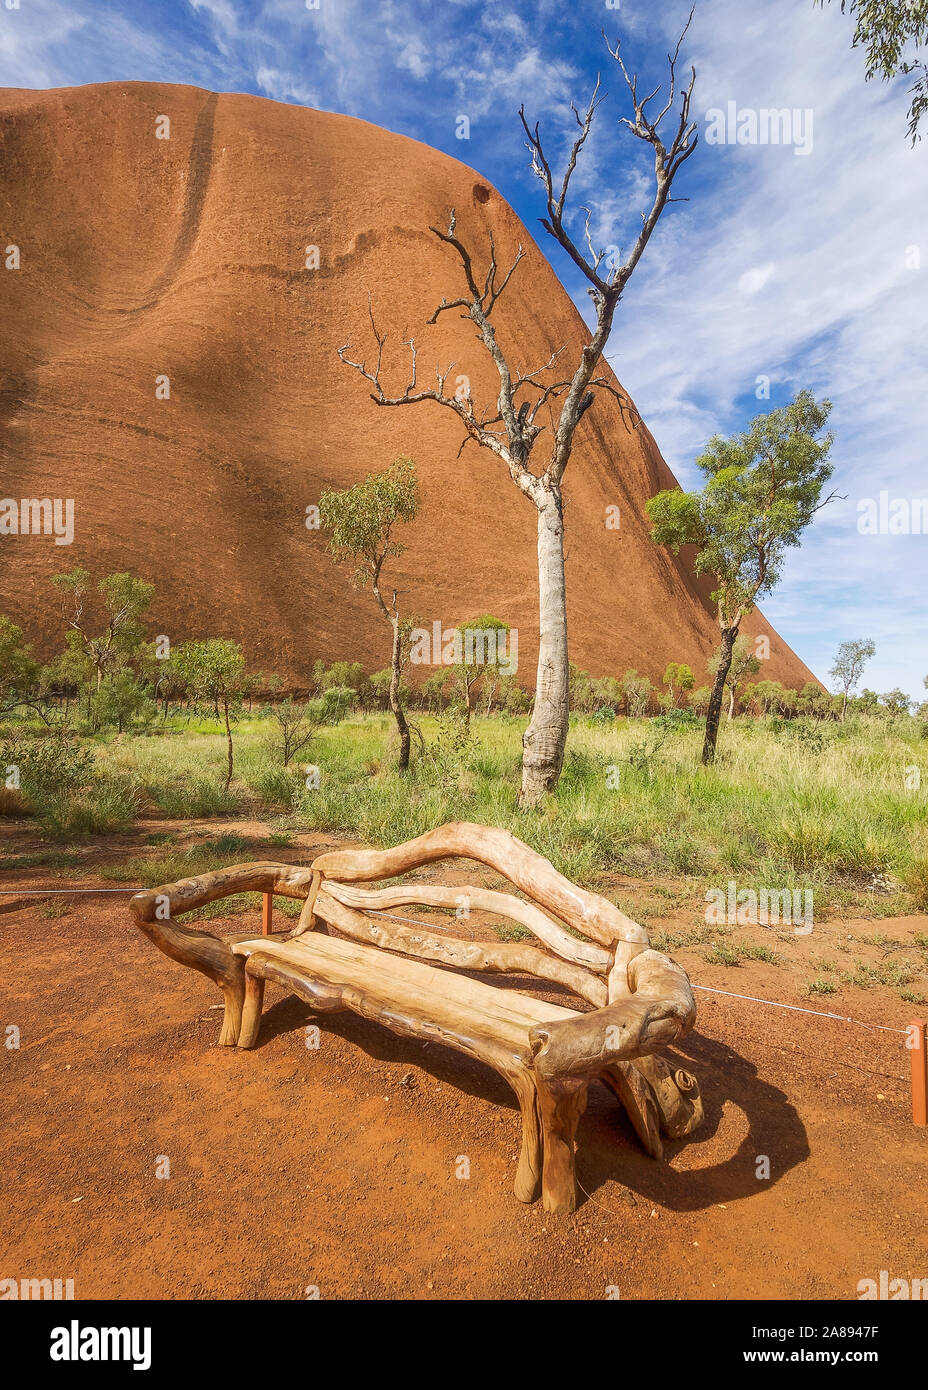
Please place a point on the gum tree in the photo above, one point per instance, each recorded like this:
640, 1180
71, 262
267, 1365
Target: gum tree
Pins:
360, 524
763, 488
214, 671
894, 36
677, 677
850, 660
125, 600
564, 388
18, 669
743, 663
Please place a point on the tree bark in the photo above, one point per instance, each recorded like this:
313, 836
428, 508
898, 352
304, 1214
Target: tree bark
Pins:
718, 690
544, 740
225, 708
395, 705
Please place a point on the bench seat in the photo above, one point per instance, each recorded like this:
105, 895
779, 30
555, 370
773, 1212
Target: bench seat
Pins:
391, 986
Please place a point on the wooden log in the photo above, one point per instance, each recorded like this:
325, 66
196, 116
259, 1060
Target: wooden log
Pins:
638, 1100
586, 912
483, 899
676, 1095
505, 957
659, 1011
156, 910
251, 1012
308, 920
561, 1103
531, 1157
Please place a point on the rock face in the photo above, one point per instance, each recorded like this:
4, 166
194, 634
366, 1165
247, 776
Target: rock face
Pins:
185, 258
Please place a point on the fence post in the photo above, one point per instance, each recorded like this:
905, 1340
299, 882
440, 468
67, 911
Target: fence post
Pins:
915, 1042
266, 917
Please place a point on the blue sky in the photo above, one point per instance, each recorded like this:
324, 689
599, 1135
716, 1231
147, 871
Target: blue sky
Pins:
806, 268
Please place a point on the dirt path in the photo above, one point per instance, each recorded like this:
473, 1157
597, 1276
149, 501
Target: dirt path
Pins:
336, 1167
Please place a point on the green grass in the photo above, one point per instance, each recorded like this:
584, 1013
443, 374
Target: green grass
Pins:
772, 812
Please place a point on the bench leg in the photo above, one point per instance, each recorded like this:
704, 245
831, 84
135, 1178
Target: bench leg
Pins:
561, 1103
233, 992
528, 1175
251, 1012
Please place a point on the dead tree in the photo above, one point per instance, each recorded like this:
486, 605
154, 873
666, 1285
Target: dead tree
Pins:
510, 428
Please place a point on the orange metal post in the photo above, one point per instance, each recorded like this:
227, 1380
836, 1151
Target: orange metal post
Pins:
915, 1041
266, 917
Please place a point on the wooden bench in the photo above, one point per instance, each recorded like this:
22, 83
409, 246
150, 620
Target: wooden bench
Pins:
377, 966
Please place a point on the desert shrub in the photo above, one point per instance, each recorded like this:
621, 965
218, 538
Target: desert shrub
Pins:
332, 706
185, 798
677, 720
277, 786
48, 767
106, 807
916, 880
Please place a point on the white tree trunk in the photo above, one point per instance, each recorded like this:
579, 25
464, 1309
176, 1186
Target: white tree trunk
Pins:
544, 740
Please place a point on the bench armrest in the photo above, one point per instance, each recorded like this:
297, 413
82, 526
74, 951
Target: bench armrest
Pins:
658, 1011
156, 910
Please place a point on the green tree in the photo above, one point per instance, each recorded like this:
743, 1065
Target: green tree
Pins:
360, 524
678, 676
763, 488
124, 601
296, 725
214, 671
895, 703
19, 671
893, 34
850, 660
637, 691
579, 689
699, 699
483, 643
121, 699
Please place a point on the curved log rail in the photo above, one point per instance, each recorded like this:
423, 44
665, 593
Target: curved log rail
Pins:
507, 957
581, 953
157, 909
586, 912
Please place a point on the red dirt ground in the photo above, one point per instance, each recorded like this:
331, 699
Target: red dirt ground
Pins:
335, 1168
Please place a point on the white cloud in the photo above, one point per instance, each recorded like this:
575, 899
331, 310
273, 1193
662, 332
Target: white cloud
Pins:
755, 279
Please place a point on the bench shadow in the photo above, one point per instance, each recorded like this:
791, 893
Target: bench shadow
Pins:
608, 1149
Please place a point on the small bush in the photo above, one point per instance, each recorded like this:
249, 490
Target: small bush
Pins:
104, 808
916, 880
823, 987
277, 786
193, 797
